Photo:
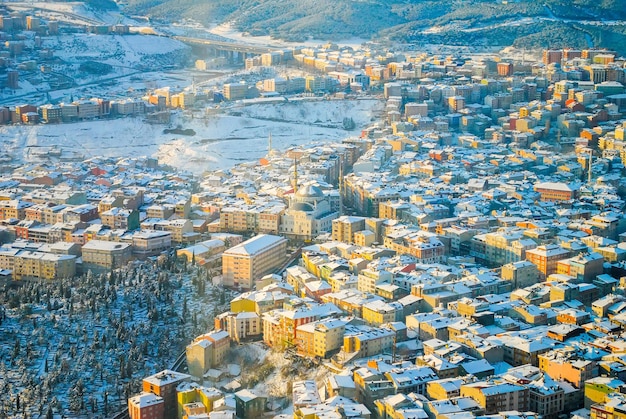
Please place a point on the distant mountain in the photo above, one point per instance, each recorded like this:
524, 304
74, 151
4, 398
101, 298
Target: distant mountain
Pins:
525, 23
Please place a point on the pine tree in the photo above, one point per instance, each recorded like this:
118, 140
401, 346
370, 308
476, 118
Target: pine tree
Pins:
16, 349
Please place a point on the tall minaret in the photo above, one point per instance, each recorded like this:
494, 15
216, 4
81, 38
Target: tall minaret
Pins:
340, 186
295, 175
590, 160
269, 145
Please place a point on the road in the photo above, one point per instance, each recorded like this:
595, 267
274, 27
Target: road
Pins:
227, 46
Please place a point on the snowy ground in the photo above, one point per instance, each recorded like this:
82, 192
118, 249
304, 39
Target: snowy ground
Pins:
221, 140
116, 50
136, 62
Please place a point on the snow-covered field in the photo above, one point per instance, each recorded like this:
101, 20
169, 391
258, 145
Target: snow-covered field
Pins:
116, 50
221, 140
135, 61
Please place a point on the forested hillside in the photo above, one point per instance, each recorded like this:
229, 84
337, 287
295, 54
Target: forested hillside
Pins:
525, 23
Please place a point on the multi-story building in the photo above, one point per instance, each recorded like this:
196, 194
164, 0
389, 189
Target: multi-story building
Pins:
88, 109
368, 279
443, 389
103, 255
557, 191
199, 357
150, 243
162, 212
14, 208
50, 113
207, 251
121, 218
613, 408
584, 267
241, 326
322, 338
39, 265
497, 397
379, 312
362, 342
207, 351
344, 228
80, 213
521, 274
249, 405
546, 258
181, 230
252, 259
235, 91
564, 364
164, 384
146, 406
280, 327
426, 247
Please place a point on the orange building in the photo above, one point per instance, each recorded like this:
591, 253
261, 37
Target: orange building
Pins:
505, 69
164, 384
552, 56
562, 364
556, 191
546, 258
146, 406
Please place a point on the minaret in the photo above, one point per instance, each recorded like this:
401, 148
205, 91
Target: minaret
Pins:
340, 187
295, 175
590, 160
269, 145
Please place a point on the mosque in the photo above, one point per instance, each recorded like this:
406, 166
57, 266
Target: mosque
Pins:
309, 213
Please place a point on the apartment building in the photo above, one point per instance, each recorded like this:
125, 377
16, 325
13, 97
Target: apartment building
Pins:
146, 406
546, 258
252, 259
163, 384
103, 255
497, 397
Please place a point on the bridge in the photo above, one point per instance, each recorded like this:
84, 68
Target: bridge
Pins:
225, 46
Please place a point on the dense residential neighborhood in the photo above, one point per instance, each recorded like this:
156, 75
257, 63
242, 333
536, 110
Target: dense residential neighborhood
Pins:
463, 255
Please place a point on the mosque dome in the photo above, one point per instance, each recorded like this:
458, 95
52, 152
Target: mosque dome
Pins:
310, 191
302, 206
